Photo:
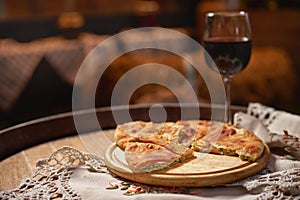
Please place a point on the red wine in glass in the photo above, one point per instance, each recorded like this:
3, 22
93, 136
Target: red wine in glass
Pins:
227, 39
230, 54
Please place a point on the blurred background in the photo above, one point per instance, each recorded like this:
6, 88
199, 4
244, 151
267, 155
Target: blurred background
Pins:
43, 43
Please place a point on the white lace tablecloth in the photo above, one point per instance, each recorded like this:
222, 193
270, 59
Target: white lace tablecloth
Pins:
71, 174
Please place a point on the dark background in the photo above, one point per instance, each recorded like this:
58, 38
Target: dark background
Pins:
275, 24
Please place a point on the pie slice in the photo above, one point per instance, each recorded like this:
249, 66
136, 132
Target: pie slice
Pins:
222, 138
168, 135
147, 157
204, 134
131, 132
238, 141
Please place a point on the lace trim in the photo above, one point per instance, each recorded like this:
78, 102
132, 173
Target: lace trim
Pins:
51, 177
278, 185
265, 114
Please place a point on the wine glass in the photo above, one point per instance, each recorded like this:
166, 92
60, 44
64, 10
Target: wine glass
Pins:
227, 39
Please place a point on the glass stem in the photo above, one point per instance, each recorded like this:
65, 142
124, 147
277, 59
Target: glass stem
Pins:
227, 83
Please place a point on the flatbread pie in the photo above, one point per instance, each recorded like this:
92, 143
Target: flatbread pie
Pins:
154, 146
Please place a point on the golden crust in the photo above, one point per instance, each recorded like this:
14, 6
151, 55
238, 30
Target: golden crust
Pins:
231, 140
139, 147
123, 137
245, 143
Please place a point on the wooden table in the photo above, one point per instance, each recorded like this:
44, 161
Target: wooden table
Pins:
22, 164
22, 145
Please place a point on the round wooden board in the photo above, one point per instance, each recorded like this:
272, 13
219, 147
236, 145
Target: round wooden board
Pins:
203, 170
